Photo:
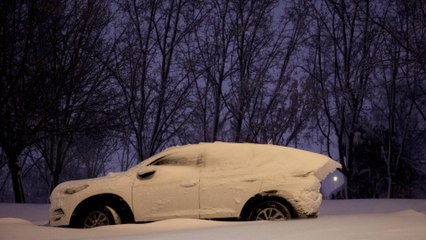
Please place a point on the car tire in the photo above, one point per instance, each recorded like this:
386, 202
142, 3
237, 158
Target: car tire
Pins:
100, 216
270, 211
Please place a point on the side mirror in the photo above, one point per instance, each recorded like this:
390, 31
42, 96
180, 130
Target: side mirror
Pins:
146, 173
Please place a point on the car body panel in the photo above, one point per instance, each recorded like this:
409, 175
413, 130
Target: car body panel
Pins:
224, 195
171, 192
303, 193
96, 186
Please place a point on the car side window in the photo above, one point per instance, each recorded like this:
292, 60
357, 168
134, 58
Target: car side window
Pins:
168, 161
178, 161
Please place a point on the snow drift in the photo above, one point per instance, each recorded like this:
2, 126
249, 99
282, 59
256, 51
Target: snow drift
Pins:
367, 219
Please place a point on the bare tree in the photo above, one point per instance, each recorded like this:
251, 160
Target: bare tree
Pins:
76, 40
212, 52
52, 82
155, 89
24, 111
280, 110
94, 155
400, 86
251, 22
125, 154
245, 68
404, 22
4, 173
343, 49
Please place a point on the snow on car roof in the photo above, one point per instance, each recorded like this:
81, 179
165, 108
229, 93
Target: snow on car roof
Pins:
260, 157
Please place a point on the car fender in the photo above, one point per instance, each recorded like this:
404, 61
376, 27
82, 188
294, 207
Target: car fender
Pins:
303, 193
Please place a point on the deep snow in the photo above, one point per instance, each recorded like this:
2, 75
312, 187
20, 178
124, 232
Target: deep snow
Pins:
339, 219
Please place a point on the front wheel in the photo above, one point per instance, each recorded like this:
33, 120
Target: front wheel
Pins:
101, 216
270, 211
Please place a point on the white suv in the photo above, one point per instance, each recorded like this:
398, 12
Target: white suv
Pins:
207, 180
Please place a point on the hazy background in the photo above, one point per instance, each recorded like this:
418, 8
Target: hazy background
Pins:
92, 86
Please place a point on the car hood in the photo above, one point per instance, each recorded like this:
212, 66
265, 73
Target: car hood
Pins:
108, 183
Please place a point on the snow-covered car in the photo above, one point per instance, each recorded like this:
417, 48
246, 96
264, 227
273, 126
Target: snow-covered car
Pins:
207, 181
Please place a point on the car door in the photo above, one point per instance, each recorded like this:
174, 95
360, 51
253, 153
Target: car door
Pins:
224, 191
167, 188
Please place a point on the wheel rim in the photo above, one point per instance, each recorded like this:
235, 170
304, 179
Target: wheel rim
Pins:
96, 218
270, 214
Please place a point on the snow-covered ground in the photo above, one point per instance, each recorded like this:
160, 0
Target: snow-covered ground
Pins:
339, 219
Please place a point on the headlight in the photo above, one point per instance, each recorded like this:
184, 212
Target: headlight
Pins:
72, 190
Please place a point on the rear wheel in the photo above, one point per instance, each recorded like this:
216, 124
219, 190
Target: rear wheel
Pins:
101, 216
270, 211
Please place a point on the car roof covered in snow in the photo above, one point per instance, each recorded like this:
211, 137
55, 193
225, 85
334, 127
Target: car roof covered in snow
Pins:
248, 156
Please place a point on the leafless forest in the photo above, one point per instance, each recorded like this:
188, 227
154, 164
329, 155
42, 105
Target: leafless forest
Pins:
91, 86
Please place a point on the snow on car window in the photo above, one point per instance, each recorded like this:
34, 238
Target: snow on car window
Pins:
178, 160
240, 159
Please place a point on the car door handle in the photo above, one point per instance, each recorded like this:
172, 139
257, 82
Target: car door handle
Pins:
189, 183
250, 180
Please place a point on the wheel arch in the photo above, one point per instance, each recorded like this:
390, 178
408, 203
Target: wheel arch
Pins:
262, 197
108, 199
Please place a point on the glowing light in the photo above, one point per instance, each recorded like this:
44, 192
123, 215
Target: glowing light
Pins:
335, 178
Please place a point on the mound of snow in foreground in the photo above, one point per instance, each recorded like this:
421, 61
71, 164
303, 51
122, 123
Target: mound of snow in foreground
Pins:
342, 219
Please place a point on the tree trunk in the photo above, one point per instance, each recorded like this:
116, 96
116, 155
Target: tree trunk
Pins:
55, 180
15, 172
